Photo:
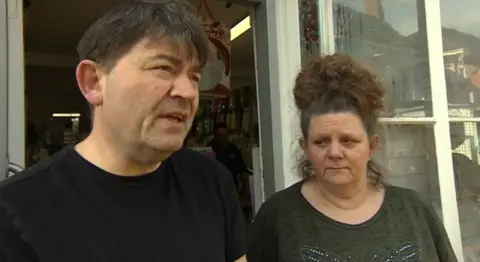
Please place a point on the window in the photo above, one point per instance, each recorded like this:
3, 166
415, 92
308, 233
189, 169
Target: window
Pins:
408, 156
389, 38
461, 56
399, 40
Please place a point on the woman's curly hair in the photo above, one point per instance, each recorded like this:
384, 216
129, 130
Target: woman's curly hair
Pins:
336, 83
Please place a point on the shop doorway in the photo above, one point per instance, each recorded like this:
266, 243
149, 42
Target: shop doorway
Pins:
51, 113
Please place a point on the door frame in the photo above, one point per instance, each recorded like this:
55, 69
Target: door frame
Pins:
277, 62
12, 88
3, 90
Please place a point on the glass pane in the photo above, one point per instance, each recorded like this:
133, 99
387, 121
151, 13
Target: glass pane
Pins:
407, 154
309, 30
466, 163
461, 46
388, 37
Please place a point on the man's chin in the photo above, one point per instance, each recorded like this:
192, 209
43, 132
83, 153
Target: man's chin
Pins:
168, 146
156, 153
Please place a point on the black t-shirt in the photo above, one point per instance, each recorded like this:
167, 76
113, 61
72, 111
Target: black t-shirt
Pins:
67, 209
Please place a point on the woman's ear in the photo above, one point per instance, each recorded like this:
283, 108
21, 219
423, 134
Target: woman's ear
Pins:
303, 144
374, 144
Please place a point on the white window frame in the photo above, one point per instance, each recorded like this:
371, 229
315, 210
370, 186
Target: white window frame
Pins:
440, 118
441, 129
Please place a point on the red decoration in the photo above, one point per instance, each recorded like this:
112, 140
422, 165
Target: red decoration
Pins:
309, 14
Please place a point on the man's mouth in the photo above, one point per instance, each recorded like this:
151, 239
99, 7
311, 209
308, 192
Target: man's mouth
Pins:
175, 116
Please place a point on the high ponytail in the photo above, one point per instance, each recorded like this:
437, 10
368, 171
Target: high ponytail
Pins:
334, 84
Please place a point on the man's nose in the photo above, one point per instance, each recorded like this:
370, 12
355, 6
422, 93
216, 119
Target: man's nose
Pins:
184, 87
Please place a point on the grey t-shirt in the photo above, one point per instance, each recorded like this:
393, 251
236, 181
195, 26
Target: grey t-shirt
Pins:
288, 229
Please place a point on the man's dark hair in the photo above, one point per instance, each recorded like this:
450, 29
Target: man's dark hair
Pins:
115, 33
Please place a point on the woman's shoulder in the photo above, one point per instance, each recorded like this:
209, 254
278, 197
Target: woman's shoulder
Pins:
406, 199
282, 201
404, 194
286, 196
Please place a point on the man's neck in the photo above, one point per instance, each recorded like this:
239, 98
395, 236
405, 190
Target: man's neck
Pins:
221, 145
102, 153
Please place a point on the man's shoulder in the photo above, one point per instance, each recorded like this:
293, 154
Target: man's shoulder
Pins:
187, 156
191, 162
234, 147
31, 179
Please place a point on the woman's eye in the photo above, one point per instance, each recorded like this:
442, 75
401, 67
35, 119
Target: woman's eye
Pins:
196, 78
163, 68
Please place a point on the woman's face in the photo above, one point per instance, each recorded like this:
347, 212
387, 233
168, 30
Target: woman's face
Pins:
339, 148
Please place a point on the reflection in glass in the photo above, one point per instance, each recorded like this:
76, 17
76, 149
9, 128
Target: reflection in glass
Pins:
461, 52
388, 37
466, 163
309, 30
408, 156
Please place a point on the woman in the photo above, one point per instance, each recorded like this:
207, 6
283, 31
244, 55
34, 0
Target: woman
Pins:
343, 210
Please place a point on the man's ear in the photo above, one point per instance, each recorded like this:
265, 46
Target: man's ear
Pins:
89, 79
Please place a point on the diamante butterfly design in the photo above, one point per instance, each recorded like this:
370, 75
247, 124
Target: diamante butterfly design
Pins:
404, 252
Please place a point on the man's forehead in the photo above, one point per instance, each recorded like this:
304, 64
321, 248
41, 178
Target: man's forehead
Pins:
180, 49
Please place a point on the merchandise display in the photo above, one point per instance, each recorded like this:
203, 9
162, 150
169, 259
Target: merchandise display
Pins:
235, 111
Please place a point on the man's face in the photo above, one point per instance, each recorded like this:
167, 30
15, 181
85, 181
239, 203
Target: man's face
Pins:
149, 99
221, 135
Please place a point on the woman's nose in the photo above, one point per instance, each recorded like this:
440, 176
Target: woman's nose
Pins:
336, 151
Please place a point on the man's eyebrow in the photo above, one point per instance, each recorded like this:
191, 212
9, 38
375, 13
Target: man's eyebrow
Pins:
170, 58
176, 61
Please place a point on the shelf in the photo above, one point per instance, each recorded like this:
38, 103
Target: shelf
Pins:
209, 96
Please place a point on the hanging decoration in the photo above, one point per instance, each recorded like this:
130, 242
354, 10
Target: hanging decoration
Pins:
216, 76
26, 4
309, 14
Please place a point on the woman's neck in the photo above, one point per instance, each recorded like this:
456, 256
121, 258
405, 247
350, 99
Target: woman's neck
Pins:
345, 197
351, 205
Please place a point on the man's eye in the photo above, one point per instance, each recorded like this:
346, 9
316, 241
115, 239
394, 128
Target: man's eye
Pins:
349, 142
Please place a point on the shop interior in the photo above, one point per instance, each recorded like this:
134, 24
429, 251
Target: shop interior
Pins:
58, 115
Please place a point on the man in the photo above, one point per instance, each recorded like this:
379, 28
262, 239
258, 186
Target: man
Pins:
228, 154
129, 191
